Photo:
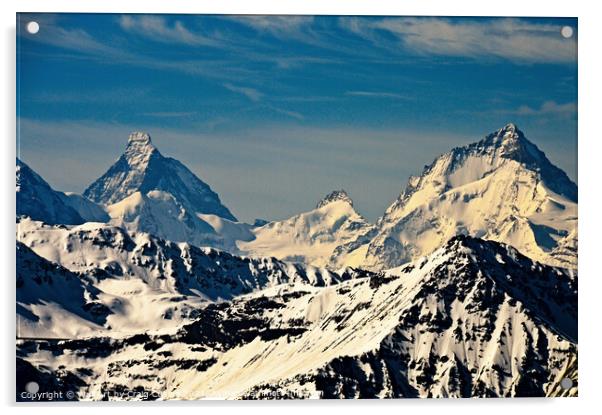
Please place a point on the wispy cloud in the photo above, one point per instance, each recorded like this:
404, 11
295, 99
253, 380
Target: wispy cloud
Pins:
121, 94
75, 40
251, 93
376, 94
157, 28
548, 108
276, 25
511, 39
292, 114
86, 46
170, 114
309, 30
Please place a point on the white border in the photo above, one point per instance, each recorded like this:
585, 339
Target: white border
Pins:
590, 163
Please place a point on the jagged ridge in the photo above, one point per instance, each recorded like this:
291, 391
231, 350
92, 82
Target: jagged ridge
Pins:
501, 188
475, 318
166, 273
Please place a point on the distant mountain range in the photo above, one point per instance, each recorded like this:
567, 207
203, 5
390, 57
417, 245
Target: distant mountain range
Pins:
311, 237
501, 188
466, 286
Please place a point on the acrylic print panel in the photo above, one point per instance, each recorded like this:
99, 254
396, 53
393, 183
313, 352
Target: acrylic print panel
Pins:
218, 207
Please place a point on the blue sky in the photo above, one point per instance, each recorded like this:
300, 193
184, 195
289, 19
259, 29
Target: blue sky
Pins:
275, 111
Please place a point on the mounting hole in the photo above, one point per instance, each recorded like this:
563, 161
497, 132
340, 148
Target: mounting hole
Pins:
566, 32
32, 387
566, 383
33, 27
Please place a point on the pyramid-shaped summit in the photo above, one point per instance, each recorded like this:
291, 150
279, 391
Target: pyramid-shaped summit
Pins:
510, 143
501, 188
142, 168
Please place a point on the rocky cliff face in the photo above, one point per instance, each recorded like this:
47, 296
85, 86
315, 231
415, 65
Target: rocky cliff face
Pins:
475, 318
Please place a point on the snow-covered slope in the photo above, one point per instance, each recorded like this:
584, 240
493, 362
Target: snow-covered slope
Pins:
311, 237
88, 210
36, 199
502, 188
161, 214
142, 168
475, 318
142, 276
53, 301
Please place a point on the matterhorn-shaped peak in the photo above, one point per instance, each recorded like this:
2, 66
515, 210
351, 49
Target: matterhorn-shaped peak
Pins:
335, 196
139, 144
142, 168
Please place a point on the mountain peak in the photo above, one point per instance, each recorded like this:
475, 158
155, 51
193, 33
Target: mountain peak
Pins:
142, 168
139, 138
508, 136
139, 144
39, 201
510, 128
335, 196
509, 142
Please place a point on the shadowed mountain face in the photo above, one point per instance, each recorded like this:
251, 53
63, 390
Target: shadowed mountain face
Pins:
474, 319
142, 168
49, 297
36, 199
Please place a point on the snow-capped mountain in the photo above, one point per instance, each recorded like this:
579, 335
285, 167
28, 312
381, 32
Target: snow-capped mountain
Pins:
142, 169
53, 301
159, 213
501, 188
36, 199
311, 237
473, 319
131, 301
147, 282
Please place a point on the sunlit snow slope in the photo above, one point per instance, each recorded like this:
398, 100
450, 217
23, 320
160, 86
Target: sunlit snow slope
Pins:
475, 318
502, 188
312, 237
148, 282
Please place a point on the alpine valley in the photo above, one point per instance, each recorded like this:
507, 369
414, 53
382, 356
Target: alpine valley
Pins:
147, 286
